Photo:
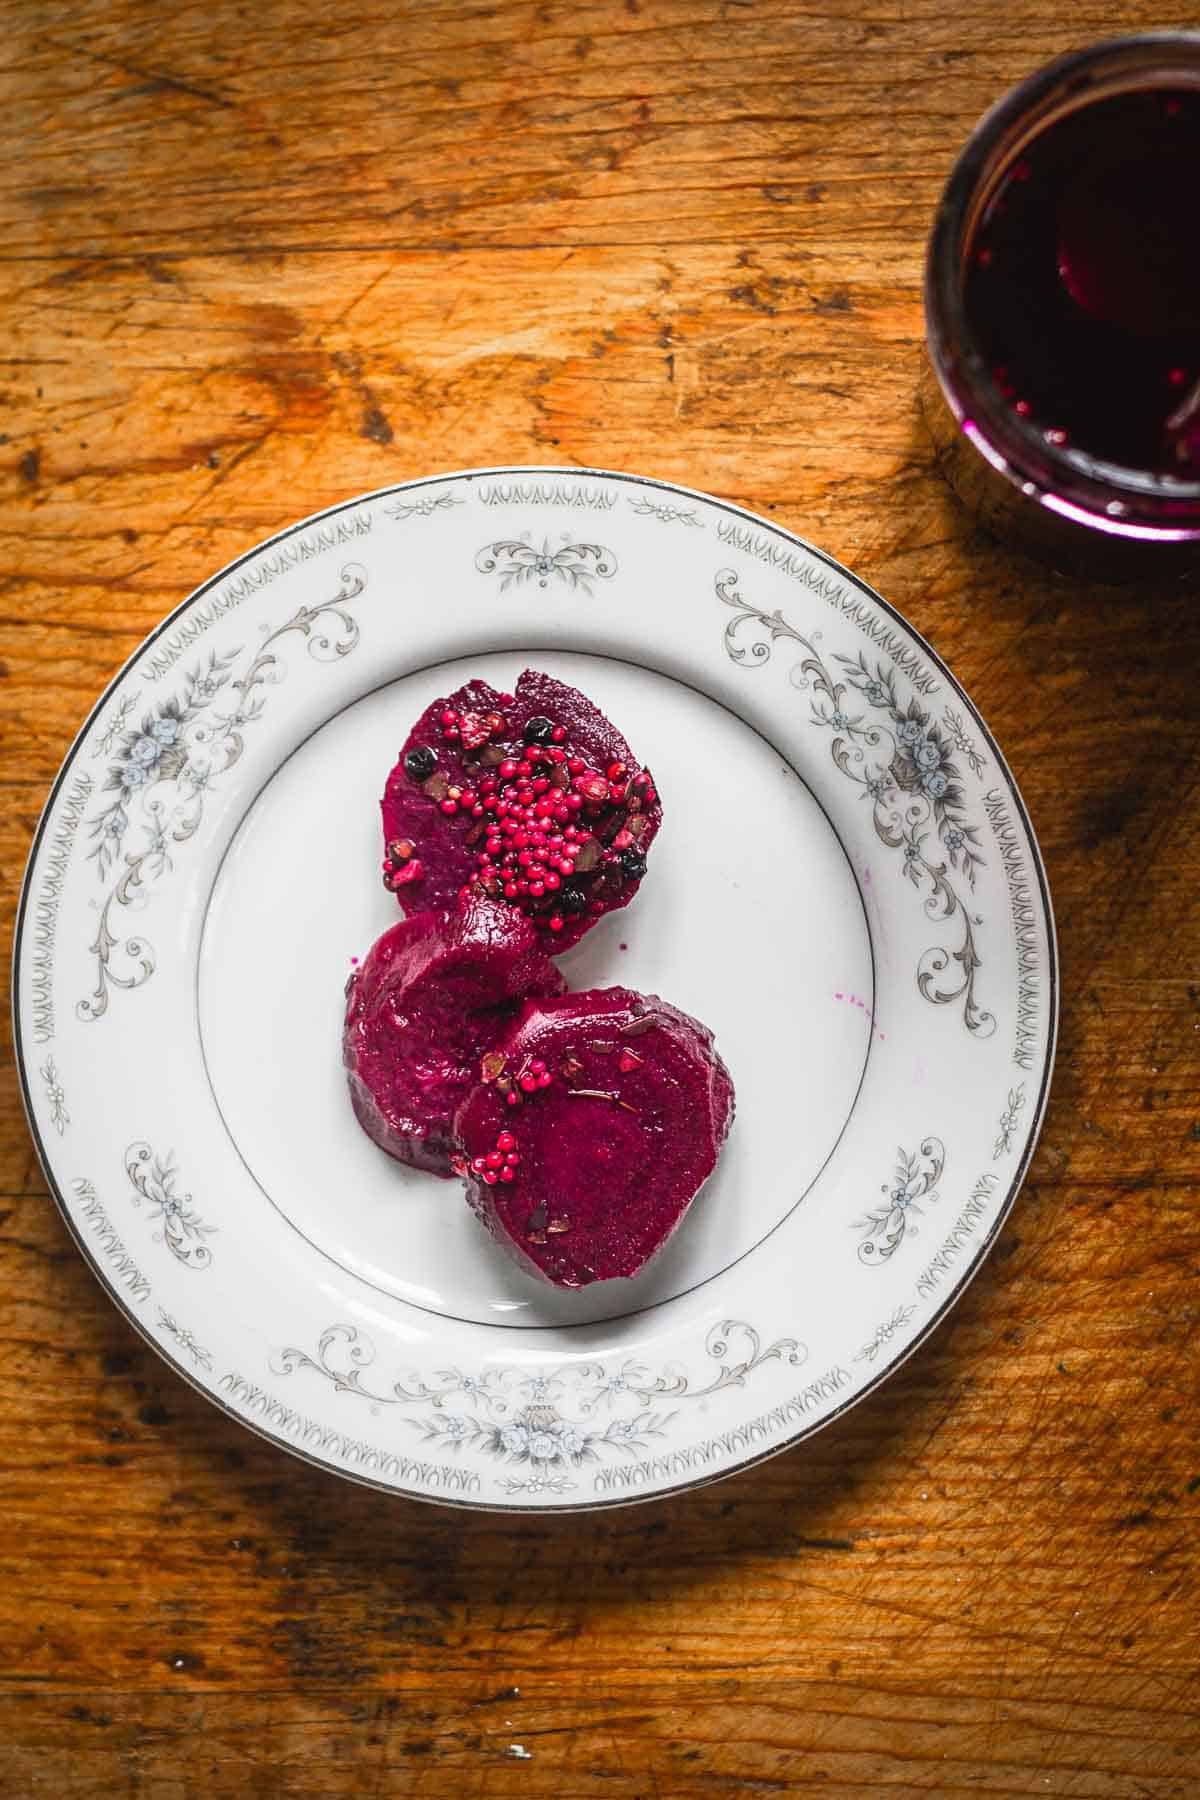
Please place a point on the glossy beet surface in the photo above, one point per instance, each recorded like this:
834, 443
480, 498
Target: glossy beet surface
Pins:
430, 997
534, 798
598, 1118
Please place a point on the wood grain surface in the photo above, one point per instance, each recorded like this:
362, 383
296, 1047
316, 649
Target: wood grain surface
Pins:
256, 258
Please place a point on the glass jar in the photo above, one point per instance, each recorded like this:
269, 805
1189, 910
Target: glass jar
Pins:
1087, 512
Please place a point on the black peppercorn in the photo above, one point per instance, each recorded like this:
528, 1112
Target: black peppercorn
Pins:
420, 762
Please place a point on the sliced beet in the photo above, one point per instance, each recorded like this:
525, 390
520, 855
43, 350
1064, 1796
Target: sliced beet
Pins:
430, 998
543, 762
596, 1120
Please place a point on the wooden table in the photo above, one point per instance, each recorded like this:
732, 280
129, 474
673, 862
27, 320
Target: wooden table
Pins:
254, 261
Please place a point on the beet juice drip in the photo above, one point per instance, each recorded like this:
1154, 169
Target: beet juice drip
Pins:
1083, 282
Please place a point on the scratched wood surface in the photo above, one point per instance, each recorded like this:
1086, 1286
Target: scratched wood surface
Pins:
254, 259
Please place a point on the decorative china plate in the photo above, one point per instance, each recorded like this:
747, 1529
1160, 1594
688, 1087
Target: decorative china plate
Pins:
846, 888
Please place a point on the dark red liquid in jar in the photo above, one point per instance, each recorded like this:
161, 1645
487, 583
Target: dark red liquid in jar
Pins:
1082, 284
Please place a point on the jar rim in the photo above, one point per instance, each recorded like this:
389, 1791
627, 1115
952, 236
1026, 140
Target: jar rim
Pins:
1110, 496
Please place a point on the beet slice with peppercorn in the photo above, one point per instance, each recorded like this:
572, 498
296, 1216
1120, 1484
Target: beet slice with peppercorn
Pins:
532, 798
597, 1118
429, 999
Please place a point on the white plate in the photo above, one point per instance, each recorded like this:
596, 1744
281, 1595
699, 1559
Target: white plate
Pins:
846, 888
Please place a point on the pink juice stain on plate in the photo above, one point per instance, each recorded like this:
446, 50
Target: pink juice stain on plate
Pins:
853, 1000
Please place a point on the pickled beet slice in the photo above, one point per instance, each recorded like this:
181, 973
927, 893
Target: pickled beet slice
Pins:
431, 996
533, 798
597, 1118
